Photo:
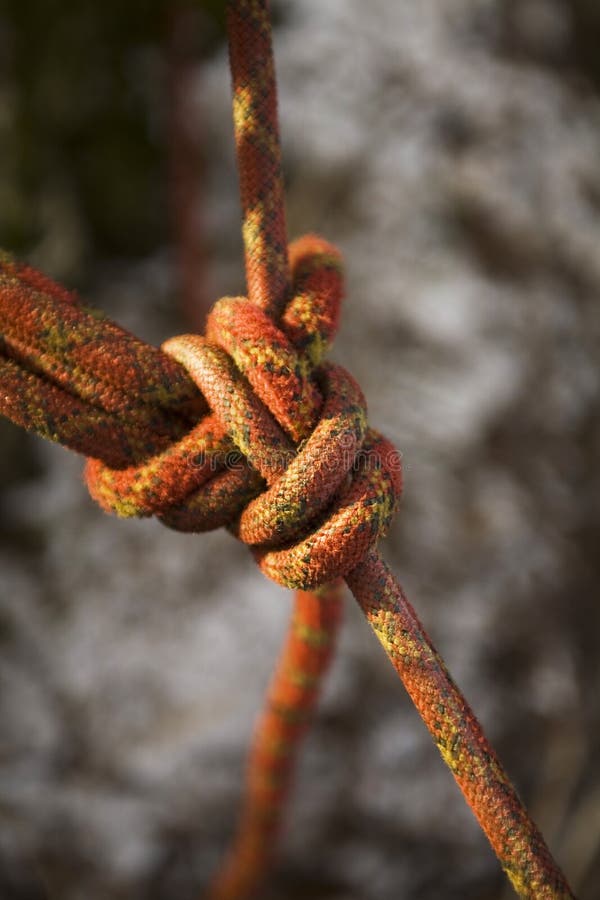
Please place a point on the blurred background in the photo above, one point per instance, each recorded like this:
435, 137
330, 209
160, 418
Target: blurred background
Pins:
452, 150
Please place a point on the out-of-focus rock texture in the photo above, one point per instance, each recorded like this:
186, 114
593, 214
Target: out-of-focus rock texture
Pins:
452, 150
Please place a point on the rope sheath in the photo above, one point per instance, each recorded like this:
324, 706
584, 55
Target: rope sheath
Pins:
248, 427
258, 152
290, 704
458, 735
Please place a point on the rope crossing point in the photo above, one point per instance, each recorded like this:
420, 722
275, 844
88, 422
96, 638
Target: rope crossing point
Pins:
268, 394
250, 428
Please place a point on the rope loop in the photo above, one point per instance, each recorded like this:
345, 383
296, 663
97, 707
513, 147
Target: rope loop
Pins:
284, 457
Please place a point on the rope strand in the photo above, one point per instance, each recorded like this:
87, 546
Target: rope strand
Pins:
256, 131
458, 735
309, 645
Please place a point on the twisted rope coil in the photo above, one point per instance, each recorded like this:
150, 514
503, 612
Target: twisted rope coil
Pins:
290, 702
73, 376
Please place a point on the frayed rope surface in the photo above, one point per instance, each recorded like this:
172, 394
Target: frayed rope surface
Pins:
250, 428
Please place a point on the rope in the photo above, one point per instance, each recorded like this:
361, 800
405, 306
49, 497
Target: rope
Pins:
71, 375
258, 153
291, 699
248, 427
458, 735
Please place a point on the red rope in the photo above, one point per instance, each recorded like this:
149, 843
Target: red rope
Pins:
291, 699
248, 427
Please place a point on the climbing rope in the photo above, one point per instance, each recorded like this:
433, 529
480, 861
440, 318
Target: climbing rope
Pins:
250, 428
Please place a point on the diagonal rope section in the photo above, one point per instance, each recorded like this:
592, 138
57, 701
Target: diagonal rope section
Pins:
458, 735
249, 427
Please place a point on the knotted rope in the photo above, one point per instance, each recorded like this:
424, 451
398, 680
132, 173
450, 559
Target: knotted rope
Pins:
250, 428
280, 419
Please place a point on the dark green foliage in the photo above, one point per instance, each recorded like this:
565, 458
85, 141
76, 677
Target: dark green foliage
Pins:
84, 98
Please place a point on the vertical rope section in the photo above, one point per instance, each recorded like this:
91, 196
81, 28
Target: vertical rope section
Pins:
185, 169
291, 700
256, 131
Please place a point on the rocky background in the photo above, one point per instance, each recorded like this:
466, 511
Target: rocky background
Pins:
452, 150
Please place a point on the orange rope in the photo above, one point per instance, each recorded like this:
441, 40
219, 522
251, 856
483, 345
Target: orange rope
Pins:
291, 699
248, 427
459, 737
258, 153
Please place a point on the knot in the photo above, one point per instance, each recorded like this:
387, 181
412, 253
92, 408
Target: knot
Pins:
284, 458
